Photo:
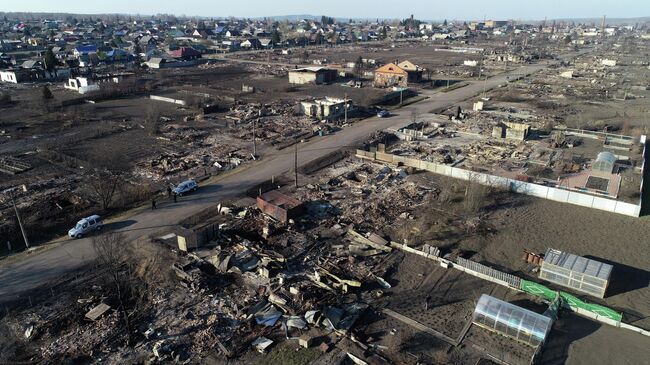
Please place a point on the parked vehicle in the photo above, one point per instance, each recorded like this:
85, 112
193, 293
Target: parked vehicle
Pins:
85, 226
186, 187
383, 113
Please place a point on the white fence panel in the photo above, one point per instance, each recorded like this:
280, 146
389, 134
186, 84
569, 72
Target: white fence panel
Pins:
459, 173
604, 204
628, 209
429, 166
559, 195
412, 162
521, 187
386, 157
580, 199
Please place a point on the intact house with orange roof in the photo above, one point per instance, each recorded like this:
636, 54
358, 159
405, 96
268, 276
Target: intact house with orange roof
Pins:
414, 71
390, 75
400, 75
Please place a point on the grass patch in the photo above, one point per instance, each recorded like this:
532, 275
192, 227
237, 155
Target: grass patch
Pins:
286, 355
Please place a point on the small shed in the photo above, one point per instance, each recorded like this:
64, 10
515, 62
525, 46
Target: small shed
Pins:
576, 272
312, 75
512, 321
279, 206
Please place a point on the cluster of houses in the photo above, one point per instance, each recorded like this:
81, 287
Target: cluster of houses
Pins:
395, 75
59, 49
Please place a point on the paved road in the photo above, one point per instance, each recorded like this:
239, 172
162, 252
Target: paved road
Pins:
35, 270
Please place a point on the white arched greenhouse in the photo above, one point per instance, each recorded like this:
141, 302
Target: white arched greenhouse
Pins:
604, 162
510, 320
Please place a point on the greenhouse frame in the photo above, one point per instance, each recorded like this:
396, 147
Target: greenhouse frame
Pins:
576, 272
604, 162
512, 321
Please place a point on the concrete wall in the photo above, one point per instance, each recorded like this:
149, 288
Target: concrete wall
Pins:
9, 76
168, 100
388, 80
300, 78
540, 191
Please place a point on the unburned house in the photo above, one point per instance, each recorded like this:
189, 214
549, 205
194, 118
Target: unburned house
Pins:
185, 54
312, 75
391, 75
414, 71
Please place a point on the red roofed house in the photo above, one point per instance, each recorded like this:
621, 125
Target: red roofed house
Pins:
185, 54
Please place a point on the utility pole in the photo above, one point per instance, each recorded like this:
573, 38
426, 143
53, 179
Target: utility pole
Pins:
20, 222
484, 86
254, 140
295, 161
345, 108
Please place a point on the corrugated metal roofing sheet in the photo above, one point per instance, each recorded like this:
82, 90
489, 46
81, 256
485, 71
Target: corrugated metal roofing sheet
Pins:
578, 264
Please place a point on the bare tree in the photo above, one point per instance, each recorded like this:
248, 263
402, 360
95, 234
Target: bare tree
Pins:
152, 120
130, 271
429, 72
112, 257
414, 116
106, 178
47, 97
104, 186
476, 193
359, 67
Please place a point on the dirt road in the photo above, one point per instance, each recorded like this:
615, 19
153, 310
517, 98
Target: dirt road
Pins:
39, 268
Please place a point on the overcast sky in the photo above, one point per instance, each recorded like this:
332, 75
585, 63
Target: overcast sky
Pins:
422, 9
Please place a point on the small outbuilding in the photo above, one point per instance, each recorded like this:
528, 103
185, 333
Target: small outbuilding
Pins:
279, 206
604, 162
312, 75
512, 321
576, 272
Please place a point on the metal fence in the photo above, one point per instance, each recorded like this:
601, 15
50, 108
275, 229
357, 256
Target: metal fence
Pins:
488, 271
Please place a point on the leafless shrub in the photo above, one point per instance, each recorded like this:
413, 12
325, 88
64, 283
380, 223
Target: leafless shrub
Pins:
130, 194
476, 194
106, 179
131, 271
152, 120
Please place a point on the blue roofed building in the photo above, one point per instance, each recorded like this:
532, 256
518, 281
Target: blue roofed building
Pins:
85, 50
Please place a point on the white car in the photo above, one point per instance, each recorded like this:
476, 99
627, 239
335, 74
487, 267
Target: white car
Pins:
86, 225
185, 187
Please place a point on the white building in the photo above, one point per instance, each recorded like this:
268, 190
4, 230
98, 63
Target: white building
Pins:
82, 85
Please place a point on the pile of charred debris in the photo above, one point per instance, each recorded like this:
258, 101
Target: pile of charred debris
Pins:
300, 267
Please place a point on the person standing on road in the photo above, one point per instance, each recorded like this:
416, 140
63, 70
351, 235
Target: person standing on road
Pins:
174, 197
169, 191
153, 204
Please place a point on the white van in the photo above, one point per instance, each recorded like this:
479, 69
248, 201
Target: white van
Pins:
86, 225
